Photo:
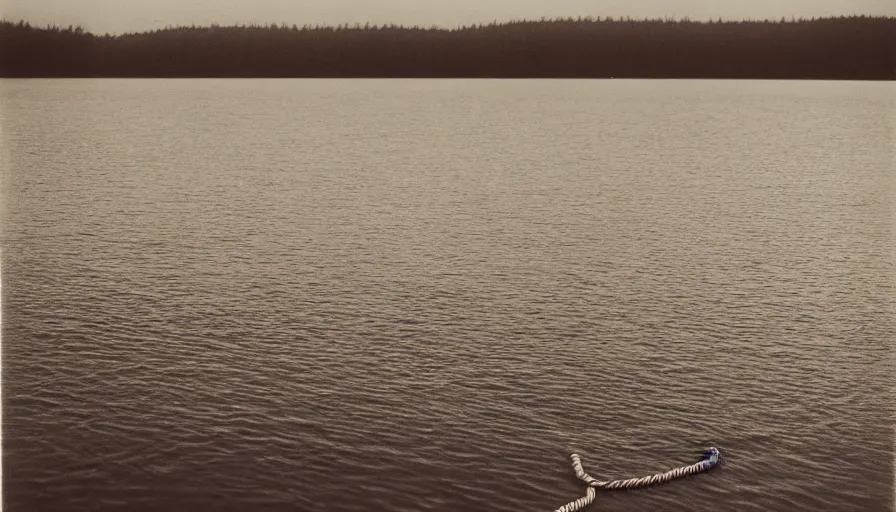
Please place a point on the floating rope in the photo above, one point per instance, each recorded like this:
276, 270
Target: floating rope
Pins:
708, 461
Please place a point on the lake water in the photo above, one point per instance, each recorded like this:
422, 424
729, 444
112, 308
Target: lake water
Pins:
421, 295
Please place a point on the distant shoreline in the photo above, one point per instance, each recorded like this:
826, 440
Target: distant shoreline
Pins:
843, 48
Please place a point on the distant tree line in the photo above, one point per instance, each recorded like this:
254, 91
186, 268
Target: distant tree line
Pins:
857, 48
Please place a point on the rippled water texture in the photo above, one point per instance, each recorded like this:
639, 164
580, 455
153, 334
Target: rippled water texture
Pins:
422, 295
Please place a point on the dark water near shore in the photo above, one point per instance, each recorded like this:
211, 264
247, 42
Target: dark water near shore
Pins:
422, 295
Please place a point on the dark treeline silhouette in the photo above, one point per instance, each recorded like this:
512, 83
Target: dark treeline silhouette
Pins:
858, 47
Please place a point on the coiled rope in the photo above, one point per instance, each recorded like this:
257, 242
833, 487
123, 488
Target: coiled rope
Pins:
708, 461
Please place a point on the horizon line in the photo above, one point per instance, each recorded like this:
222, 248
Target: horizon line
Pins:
466, 26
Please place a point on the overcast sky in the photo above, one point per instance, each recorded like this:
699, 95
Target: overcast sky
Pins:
117, 16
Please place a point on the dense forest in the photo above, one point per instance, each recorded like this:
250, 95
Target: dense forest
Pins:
858, 48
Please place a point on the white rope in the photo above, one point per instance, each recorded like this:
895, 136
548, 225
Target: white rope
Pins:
709, 460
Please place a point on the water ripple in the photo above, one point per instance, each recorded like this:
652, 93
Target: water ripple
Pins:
421, 296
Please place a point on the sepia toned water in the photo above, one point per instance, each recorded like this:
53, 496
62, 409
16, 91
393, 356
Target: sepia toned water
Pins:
422, 295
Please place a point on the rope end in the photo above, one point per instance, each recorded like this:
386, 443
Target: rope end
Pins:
712, 455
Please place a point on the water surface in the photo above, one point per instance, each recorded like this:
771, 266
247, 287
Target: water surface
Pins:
422, 295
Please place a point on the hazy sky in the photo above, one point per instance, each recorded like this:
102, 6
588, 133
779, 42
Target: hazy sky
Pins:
133, 15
